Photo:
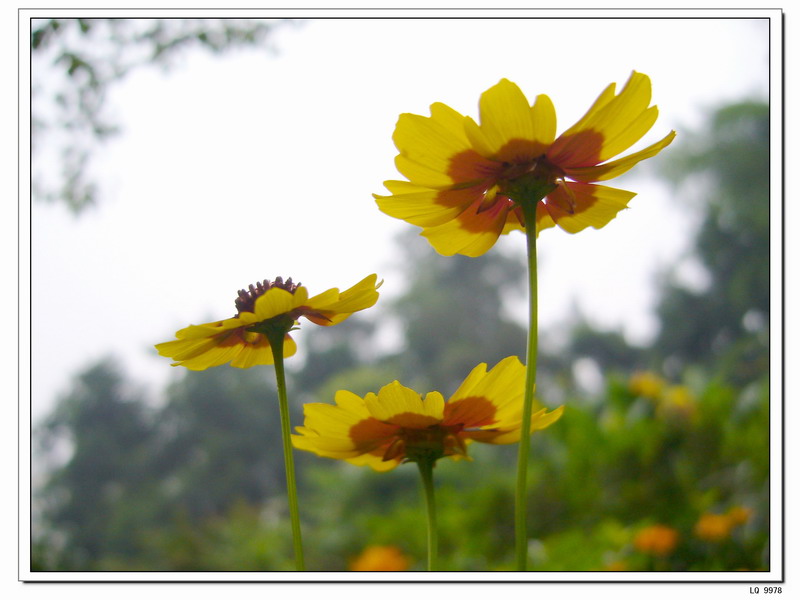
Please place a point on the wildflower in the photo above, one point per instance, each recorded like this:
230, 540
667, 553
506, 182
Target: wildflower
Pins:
646, 384
259, 335
716, 528
677, 402
265, 309
468, 182
397, 425
380, 558
658, 540
739, 515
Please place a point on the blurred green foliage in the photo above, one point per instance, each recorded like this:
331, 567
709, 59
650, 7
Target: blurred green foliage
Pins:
664, 470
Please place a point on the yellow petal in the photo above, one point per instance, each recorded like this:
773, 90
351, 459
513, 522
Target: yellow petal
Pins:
375, 462
472, 233
335, 307
543, 117
543, 419
505, 116
617, 140
433, 405
478, 139
275, 301
611, 126
431, 141
426, 207
330, 420
539, 420
422, 174
616, 168
212, 357
503, 387
392, 400
576, 206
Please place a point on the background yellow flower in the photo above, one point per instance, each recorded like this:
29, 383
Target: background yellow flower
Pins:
658, 540
380, 558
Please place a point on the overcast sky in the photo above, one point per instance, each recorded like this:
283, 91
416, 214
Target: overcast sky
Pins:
246, 166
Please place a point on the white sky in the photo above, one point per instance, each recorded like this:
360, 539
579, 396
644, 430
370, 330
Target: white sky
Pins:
247, 166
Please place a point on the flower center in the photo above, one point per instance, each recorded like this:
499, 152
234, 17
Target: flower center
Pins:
246, 300
529, 182
426, 444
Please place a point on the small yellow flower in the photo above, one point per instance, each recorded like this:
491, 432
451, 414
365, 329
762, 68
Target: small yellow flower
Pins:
716, 528
677, 401
739, 515
397, 425
467, 181
646, 384
658, 540
242, 340
380, 558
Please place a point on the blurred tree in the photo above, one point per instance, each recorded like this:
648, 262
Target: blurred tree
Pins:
451, 314
724, 171
717, 318
220, 440
110, 437
74, 64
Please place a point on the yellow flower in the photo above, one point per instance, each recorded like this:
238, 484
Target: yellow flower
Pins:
265, 308
659, 540
646, 384
397, 425
713, 528
677, 402
380, 558
740, 515
466, 182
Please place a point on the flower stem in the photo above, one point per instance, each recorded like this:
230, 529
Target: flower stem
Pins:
426, 472
276, 342
520, 516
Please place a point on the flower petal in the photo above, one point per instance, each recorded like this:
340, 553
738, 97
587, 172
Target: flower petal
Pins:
505, 117
402, 406
616, 168
576, 206
511, 435
611, 126
430, 142
426, 207
335, 307
472, 233
503, 388
543, 117
276, 301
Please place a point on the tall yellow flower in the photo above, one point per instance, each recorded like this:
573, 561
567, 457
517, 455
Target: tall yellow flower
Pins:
259, 335
264, 308
398, 425
467, 182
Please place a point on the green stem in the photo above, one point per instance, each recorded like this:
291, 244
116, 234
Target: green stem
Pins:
426, 472
276, 342
520, 516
